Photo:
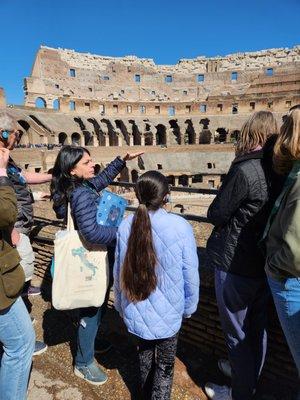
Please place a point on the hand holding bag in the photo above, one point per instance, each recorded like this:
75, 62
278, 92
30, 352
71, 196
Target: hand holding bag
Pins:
81, 273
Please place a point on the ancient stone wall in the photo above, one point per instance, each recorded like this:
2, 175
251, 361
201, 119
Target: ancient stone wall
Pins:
2, 98
237, 83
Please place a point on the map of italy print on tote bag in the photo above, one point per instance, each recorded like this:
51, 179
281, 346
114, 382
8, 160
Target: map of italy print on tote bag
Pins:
81, 252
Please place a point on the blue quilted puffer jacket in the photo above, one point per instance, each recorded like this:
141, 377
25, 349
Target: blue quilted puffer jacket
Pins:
177, 292
84, 201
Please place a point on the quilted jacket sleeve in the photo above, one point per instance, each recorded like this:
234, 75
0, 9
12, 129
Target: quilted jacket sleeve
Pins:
8, 203
230, 196
107, 176
58, 207
84, 211
190, 272
117, 267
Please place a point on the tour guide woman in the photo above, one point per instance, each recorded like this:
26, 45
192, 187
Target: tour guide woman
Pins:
74, 181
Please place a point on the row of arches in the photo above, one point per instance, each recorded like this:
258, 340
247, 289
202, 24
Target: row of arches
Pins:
40, 102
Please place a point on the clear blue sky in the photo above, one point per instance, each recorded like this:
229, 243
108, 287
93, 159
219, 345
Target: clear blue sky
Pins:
165, 30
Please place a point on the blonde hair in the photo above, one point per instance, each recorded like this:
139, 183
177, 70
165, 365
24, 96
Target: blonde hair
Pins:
256, 131
287, 146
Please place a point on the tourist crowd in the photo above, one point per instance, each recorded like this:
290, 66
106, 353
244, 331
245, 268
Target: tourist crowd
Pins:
254, 250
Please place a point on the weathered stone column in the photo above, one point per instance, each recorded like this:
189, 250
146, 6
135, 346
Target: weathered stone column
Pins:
176, 180
107, 140
190, 180
95, 141
142, 140
130, 140
120, 141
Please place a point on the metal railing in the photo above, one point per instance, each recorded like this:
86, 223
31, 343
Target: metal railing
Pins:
182, 189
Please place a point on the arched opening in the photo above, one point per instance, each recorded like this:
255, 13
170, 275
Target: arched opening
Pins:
135, 134
222, 133
161, 134
183, 180
97, 169
124, 175
75, 139
234, 136
120, 124
88, 138
62, 138
176, 130
190, 134
171, 180
40, 103
56, 104
134, 176
24, 124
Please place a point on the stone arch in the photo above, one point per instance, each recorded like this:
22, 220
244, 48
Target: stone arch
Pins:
62, 138
40, 102
120, 124
176, 130
76, 139
98, 131
183, 180
148, 136
234, 135
161, 134
134, 175
112, 135
88, 138
190, 134
222, 134
56, 104
171, 180
124, 175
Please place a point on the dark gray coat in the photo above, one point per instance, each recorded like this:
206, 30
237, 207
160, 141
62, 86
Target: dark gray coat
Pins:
239, 214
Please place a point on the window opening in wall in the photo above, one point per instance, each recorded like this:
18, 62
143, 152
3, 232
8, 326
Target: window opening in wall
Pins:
252, 105
72, 73
128, 69
288, 103
90, 89
235, 109
171, 111
214, 165
153, 92
211, 183
129, 109
87, 106
142, 109
40, 103
200, 78
209, 165
56, 105
168, 78
270, 104
185, 92
102, 109
269, 72
56, 86
187, 109
122, 91
105, 78
137, 78
220, 107
203, 108
115, 108
234, 76
157, 109
72, 105
159, 166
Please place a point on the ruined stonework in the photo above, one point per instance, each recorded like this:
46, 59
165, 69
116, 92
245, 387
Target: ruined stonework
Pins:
93, 100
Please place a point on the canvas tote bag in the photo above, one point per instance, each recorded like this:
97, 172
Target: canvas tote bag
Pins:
81, 274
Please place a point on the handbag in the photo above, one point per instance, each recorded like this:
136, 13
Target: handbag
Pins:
81, 272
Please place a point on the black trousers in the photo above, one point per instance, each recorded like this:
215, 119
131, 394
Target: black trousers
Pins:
157, 359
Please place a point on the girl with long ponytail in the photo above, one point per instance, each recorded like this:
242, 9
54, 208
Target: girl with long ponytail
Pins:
156, 281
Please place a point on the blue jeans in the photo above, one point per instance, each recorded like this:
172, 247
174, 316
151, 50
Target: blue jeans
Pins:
242, 304
18, 339
286, 295
90, 319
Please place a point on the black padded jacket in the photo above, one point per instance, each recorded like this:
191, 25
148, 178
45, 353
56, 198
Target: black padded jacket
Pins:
239, 214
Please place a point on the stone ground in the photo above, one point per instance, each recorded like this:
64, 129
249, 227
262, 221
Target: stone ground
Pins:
52, 375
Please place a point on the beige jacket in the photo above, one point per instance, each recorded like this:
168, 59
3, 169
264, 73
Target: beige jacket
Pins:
283, 241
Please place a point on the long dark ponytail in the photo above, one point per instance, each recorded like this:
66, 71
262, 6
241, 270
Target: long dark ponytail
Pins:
138, 279
63, 182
